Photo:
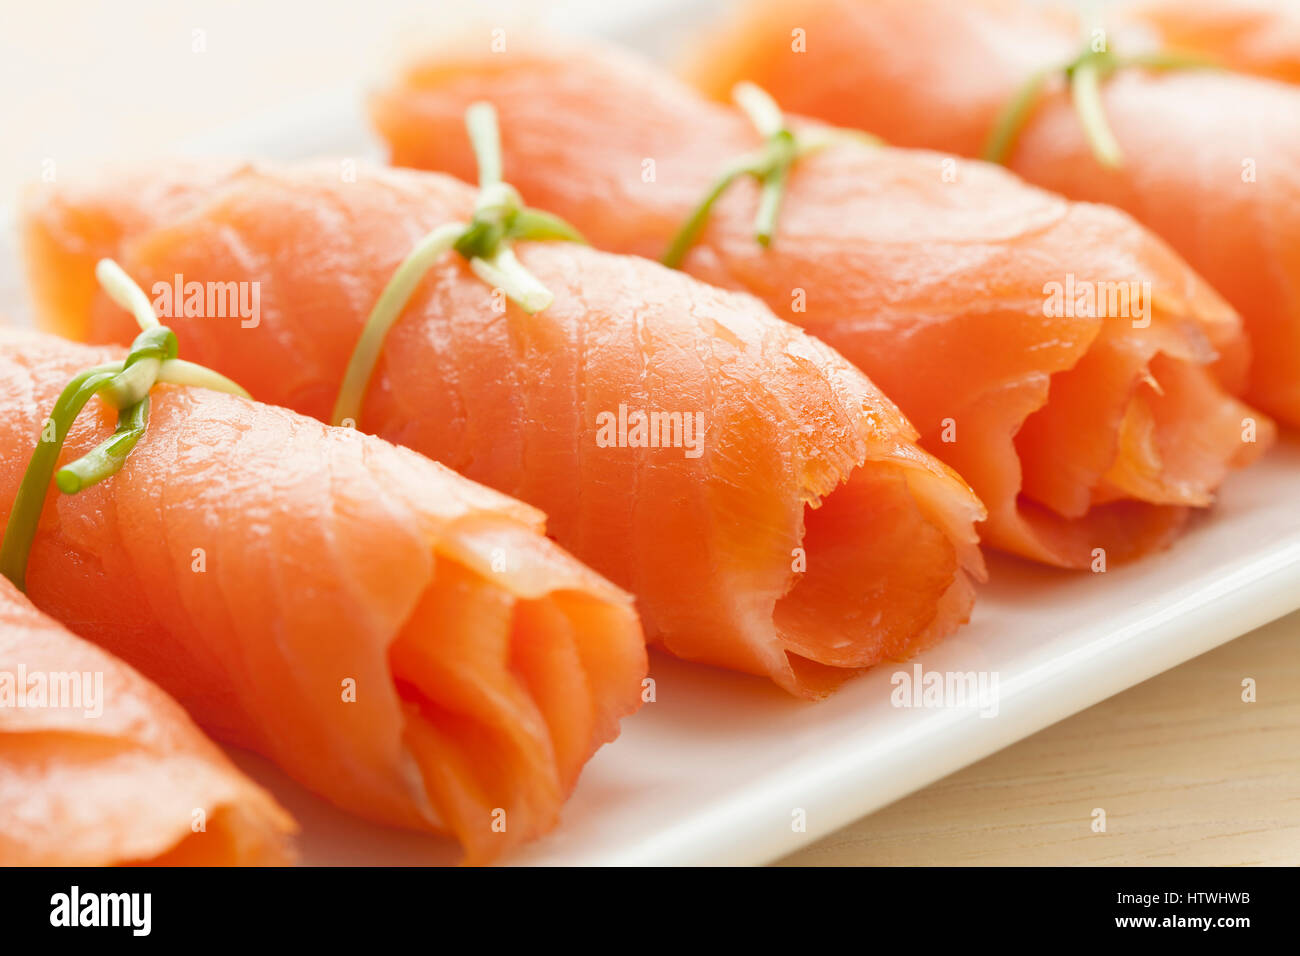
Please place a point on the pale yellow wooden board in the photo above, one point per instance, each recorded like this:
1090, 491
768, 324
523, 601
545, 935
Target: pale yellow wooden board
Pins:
1186, 772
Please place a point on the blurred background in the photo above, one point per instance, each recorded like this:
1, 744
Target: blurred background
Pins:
100, 78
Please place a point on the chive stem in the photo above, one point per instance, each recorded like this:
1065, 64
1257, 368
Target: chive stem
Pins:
387, 308
106, 459
485, 138
695, 222
761, 109
1083, 74
180, 372
769, 165
485, 242
1167, 60
1012, 118
20, 530
1085, 90
132, 384
769, 205
505, 272
537, 226
123, 385
125, 293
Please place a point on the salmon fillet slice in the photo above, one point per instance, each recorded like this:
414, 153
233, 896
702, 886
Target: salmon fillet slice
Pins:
1210, 159
1260, 37
931, 276
297, 588
802, 535
99, 767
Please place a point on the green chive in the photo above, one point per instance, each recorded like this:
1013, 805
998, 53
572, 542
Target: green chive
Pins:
1085, 90
761, 109
1163, 60
503, 271
699, 217
484, 137
1012, 118
180, 372
479, 238
123, 291
125, 386
1084, 74
107, 458
20, 530
773, 186
770, 166
500, 218
391, 302
536, 226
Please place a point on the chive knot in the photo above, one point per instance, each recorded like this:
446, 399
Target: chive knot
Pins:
125, 386
500, 219
1083, 75
769, 166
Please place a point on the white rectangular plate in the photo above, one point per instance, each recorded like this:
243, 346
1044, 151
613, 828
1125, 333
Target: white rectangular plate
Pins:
714, 770
717, 768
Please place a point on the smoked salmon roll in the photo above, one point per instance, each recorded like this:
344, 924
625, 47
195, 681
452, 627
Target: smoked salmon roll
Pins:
99, 767
400, 640
1261, 37
1208, 159
1060, 357
762, 499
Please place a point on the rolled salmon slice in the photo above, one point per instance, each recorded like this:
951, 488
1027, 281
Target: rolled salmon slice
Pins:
1261, 37
1209, 159
304, 591
1089, 424
99, 767
762, 499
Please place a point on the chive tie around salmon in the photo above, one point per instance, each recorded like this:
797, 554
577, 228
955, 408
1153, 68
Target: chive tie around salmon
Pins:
400, 640
1065, 361
764, 502
1198, 99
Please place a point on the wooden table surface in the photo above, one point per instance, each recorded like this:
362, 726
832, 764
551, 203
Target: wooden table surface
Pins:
1186, 772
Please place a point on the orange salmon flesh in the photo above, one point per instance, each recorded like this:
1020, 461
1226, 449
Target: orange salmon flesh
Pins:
400, 640
110, 770
1086, 434
1210, 158
803, 536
